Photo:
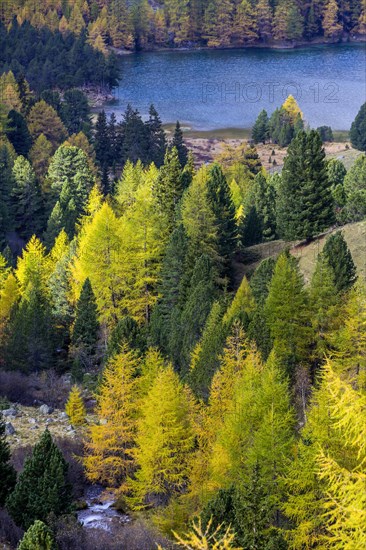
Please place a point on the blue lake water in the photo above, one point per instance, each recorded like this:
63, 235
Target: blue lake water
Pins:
227, 89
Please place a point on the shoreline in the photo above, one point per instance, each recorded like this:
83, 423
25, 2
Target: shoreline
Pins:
350, 40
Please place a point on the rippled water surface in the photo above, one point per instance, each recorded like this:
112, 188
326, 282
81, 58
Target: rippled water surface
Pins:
227, 89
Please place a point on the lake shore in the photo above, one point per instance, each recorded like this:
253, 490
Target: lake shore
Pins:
271, 45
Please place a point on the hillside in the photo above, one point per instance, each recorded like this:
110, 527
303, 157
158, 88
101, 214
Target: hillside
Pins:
354, 233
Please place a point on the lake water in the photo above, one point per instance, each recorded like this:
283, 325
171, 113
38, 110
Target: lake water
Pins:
226, 89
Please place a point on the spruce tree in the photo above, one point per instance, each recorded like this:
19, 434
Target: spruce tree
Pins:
304, 201
220, 199
156, 138
340, 260
86, 326
206, 354
358, 130
261, 279
178, 143
260, 130
6, 184
18, 133
102, 144
42, 487
7, 472
26, 199
168, 188
264, 198
38, 537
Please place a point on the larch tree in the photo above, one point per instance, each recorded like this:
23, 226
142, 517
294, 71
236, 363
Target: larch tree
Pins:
75, 408
38, 537
43, 119
287, 314
109, 457
164, 443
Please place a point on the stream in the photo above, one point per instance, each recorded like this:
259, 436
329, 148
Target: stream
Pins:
100, 513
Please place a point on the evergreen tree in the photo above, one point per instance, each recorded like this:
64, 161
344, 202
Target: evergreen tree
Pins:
340, 260
75, 408
135, 142
206, 355
261, 280
26, 199
260, 130
264, 198
86, 326
7, 472
156, 138
168, 188
41, 487
18, 133
6, 184
178, 143
358, 130
355, 190
304, 205
287, 314
109, 450
219, 196
75, 111
38, 537
170, 288
102, 144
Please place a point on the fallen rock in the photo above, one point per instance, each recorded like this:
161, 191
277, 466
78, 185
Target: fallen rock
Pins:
63, 416
45, 409
34, 427
10, 412
49, 420
32, 420
9, 429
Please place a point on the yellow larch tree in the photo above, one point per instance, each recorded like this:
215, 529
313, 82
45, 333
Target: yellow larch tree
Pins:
75, 408
109, 449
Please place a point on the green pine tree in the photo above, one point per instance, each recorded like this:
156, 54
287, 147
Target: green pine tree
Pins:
41, 487
340, 260
304, 205
260, 130
358, 130
85, 329
168, 187
178, 143
7, 473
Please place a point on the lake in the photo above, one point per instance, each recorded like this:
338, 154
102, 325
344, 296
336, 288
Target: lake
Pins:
215, 89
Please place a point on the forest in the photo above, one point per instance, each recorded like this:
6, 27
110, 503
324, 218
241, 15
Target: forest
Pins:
222, 409
147, 24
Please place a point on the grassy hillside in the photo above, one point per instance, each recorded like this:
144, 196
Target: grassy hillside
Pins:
354, 233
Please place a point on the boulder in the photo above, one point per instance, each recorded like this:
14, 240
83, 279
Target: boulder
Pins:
63, 416
9, 429
32, 420
45, 409
10, 412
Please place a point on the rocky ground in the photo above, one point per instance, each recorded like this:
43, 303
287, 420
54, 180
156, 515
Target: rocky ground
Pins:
24, 425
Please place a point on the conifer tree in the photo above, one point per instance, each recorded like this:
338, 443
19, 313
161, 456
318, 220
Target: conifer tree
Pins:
38, 537
85, 328
304, 205
323, 301
354, 188
219, 196
18, 133
156, 138
170, 288
178, 143
101, 141
241, 307
6, 184
26, 198
168, 188
260, 130
41, 487
264, 198
75, 408
7, 472
340, 260
109, 450
358, 130
165, 441
264, 17
40, 156
43, 119
261, 280
287, 314
206, 354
